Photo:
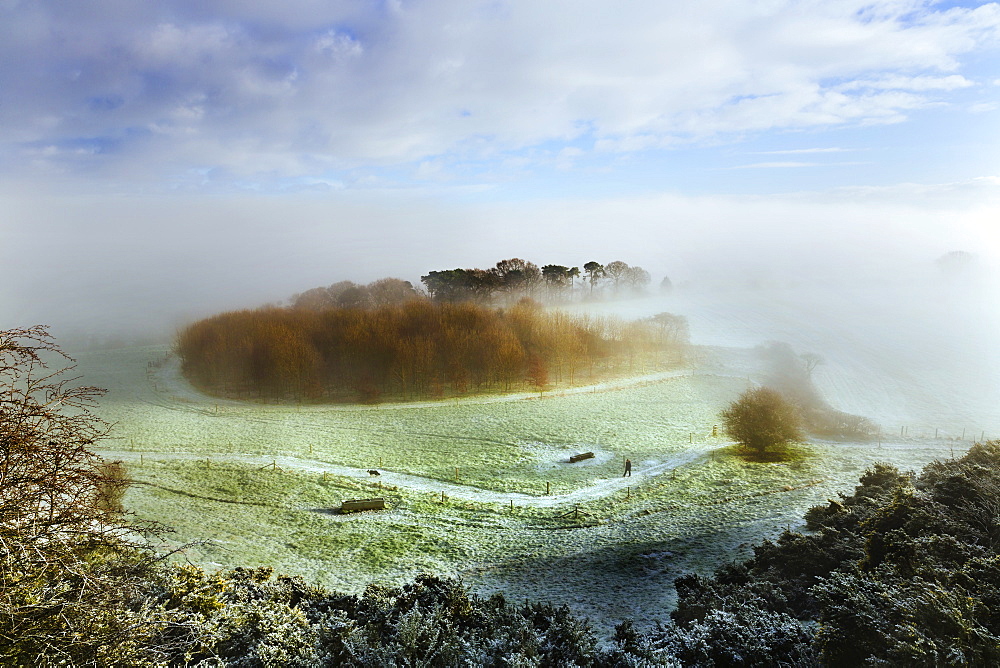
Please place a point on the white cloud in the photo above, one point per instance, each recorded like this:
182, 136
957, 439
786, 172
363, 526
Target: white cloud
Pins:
830, 149
772, 165
984, 107
919, 83
275, 87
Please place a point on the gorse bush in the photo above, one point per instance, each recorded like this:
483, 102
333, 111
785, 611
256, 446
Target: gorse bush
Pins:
415, 349
244, 617
905, 571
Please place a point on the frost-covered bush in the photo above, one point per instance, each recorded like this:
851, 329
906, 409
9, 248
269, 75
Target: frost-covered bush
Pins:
744, 635
906, 571
879, 619
245, 618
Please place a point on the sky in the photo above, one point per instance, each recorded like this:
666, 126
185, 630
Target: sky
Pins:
163, 160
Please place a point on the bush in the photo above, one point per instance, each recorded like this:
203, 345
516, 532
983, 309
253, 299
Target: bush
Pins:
762, 418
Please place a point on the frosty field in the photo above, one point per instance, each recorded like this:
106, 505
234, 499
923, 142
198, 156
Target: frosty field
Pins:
259, 482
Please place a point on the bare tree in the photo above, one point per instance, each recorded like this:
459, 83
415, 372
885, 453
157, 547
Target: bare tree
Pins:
637, 278
810, 361
390, 291
672, 328
616, 272
73, 569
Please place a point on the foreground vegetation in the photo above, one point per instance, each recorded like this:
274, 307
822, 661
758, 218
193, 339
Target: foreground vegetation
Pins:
417, 349
904, 571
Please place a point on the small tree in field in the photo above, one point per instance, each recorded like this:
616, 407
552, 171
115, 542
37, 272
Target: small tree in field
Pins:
761, 418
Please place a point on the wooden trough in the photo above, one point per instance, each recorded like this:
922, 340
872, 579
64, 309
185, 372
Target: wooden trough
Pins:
355, 505
580, 457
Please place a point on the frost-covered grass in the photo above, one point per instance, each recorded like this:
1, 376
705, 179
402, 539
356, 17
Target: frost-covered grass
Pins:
693, 502
514, 446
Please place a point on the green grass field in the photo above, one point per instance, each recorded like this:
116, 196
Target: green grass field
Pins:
259, 485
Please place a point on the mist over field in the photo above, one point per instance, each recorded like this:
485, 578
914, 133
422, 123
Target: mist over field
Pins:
904, 340
121, 266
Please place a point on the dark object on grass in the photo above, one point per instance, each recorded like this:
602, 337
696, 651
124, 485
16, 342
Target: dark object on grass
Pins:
581, 457
354, 505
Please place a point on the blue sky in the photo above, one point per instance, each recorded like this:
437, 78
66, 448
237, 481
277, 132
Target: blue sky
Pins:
263, 148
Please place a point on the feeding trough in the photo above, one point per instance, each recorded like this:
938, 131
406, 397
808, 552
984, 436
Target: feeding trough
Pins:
356, 505
580, 457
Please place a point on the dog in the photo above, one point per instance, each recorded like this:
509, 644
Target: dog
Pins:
373, 472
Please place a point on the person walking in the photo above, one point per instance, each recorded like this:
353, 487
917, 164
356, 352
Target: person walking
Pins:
628, 468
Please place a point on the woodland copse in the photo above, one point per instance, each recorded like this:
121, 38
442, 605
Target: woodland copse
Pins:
415, 349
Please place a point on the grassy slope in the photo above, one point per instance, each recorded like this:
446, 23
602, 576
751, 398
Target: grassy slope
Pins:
616, 560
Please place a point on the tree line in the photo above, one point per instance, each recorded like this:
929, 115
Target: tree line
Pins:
413, 349
503, 284
512, 279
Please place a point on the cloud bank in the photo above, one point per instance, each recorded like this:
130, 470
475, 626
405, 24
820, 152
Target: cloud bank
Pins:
195, 92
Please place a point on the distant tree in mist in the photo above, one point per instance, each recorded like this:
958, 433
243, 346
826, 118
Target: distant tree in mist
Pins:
672, 328
761, 418
810, 361
348, 294
616, 272
594, 272
386, 291
637, 279
572, 274
514, 278
518, 277
557, 279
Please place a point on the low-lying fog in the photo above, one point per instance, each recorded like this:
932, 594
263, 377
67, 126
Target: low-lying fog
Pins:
906, 339
919, 351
